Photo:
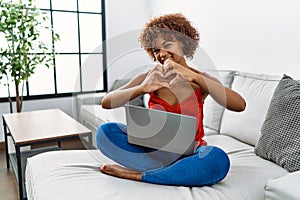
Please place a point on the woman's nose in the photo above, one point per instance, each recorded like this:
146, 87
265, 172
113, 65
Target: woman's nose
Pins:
163, 53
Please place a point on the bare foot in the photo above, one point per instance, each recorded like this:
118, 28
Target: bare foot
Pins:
121, 172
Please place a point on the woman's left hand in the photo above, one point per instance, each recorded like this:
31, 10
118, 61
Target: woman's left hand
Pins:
178, 79
185, 72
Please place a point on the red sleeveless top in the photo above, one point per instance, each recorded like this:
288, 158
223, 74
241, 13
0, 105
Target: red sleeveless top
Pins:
192, 106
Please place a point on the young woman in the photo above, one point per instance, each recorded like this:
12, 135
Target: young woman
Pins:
174, 87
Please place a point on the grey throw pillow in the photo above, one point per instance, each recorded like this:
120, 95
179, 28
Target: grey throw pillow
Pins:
138, 101
280, 134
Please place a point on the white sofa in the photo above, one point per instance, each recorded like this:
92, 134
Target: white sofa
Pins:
75, 175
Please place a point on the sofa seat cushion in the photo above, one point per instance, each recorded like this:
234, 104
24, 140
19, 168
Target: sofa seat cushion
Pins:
248, 173
74, 174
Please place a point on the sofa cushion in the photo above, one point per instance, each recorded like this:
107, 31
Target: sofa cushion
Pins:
212, 111
284, 187
280, 139
257, 90
248, 172
74, 174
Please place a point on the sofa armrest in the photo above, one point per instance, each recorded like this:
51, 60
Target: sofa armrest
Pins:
89, 99
285, 187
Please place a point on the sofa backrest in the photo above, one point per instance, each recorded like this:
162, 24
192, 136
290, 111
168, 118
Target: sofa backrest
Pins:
257, 90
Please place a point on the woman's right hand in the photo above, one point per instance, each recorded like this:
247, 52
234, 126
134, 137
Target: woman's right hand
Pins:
156, 79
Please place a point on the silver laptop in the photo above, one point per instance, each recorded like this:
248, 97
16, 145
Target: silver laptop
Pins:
160, 130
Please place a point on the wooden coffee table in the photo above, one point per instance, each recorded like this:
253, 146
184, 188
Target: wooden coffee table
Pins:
38, 127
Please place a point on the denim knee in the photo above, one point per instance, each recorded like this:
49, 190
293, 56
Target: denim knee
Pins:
207, 166
218, 161
112, 142
99, 133
104, 132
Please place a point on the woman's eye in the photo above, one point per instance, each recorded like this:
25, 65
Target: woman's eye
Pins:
167, 45
155, 51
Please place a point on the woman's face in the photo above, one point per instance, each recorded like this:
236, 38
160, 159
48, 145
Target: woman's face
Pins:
168, 49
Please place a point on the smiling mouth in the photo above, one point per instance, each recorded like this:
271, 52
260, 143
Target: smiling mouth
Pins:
164, 60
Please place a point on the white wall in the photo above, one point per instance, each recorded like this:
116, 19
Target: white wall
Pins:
261, 36
124, 21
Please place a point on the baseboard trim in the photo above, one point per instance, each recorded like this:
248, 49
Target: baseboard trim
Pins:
2, 145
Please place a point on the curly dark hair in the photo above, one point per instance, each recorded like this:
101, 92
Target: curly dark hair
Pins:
169, 26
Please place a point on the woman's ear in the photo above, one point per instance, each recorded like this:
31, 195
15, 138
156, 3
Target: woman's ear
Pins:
182, 47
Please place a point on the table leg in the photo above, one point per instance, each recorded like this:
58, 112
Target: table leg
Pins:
19, 165
90, 138
6, 143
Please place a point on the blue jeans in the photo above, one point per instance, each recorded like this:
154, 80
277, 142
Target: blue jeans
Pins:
207, 166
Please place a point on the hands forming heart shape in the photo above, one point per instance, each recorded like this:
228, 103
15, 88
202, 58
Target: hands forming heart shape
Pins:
158, 78
166, 77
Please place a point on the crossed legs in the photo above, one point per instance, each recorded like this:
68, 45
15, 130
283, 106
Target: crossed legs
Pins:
207, 166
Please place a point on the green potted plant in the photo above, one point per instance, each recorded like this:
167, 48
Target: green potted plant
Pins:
22, 49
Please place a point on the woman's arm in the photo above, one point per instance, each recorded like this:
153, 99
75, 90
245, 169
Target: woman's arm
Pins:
221, 94
124, 94
139, 85
224, 96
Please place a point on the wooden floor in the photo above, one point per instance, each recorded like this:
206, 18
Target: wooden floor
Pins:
8, 184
